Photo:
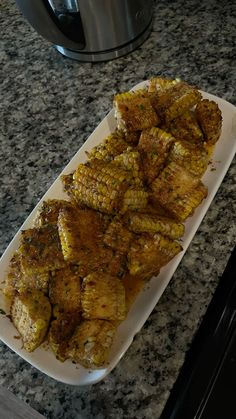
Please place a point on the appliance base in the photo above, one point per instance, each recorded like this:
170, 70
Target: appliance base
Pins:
109, 54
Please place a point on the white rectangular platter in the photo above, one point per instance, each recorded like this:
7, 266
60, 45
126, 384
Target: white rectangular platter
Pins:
67, 372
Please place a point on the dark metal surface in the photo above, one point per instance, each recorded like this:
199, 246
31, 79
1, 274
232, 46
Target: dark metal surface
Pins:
205, 388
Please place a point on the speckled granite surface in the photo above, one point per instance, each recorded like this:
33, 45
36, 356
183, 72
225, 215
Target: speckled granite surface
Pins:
48, 107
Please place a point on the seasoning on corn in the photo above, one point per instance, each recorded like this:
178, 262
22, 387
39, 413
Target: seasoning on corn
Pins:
150, 223
134, 111
154, 146
178, 191
210, 120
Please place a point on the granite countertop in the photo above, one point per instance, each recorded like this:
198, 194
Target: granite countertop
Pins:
49, 105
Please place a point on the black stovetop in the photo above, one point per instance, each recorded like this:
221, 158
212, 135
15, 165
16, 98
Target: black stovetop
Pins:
206, 386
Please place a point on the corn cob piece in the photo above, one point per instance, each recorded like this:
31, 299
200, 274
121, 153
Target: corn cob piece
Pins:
132, 137
130, 160
112, 146
186, 205
40, 250
103, 297
81, 233
193, 158
175, 101
186, 128
31, 313
134, 199
157, 84
149, 253
101, 186
60, 332
17, 281
117, 236
178, 191
49, 211
91, 343
74, 228
150, 223
210, 119
64, 289
134, 111
154, 146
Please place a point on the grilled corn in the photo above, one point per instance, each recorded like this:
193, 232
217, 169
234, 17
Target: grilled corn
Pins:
31, 313
157, 84
134, 111
149, 253
101, 186
60, 332
154, 146
210, 119
186, 128
178, 191
150, 223
172, 102
64, 289
112, 146
49, 211
117, 236
134, 199
192, 157
91, 343
81, 233
103, 297
40, 250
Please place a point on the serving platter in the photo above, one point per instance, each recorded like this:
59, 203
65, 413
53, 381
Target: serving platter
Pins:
67, 372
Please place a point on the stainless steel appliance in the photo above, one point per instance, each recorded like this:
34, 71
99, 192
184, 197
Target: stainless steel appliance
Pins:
91, 30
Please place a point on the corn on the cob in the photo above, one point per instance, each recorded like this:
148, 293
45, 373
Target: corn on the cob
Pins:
49, 211
149, 253
185, 206
178, 191
38, 281
191, 157
210, 119
61, 330
186, 128
117, 236
154, 146
134, 199
64, 289
175, 101
150, 223
31, 313
103, 297
101, 186
81, 233
157, 84
112, 146
40, 250
134, 111
130, 160
91, 343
